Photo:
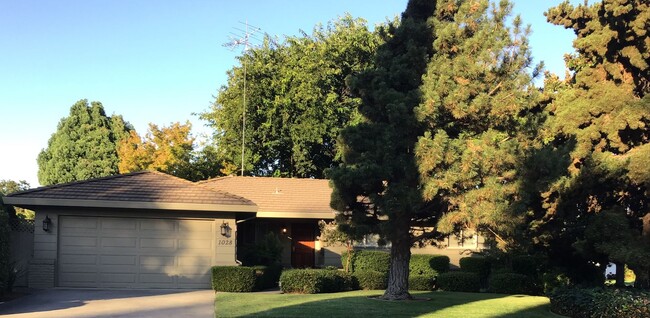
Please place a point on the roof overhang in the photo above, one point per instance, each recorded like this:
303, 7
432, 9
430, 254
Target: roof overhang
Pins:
129, 204
296, 215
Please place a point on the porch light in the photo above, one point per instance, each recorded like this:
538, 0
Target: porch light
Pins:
46, 223
283, 230
225, 228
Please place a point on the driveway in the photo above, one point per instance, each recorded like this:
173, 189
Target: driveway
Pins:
78, 303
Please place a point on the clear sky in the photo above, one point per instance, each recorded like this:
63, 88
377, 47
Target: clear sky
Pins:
157, 61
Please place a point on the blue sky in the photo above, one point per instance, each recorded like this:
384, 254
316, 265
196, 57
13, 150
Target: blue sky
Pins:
156, 61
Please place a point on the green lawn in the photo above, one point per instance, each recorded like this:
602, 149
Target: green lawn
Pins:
357, 304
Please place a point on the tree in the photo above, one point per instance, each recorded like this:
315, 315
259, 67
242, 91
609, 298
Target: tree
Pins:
331, 234
83, 147
598, 133
171, 150
11, 186
480, 113
296, 100
376, 186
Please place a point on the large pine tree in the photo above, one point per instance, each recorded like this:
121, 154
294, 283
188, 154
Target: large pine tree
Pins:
376, 187
84, 145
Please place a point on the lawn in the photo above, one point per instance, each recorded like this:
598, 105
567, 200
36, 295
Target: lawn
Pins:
358, 304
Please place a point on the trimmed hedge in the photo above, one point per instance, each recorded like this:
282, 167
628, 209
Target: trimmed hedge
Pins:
477, 265
511, 283
368, 260
314, 281
371, 279
525, 265
423, 264
459, 281
421, 282
233, 278
599, 302
267, 277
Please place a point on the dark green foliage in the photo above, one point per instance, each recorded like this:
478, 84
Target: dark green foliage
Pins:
511, 283
233, 279
478, 265
267, 276
526, 265
421, 282
368, 260
554, 279
6, 267
297, 100
314, 281
431, 265
598, 302
371, 279
267, 251
84, 145
459, 282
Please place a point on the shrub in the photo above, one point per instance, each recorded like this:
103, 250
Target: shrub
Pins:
554, 279
421, 282
367, 260
459, 281
525, 265
477, 265
266, 251
314, 281
511, 283
233, 278
422, 264
598, 302
267, 276
371, 279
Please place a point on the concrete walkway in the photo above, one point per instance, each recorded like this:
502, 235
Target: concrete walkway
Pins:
86, 303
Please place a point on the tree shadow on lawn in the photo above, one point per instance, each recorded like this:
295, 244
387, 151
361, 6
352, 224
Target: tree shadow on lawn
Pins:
442, 304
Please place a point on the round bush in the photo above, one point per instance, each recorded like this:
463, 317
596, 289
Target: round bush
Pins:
421, 282
368, 260
371, 279
422, 264
233, 278
478, 265
459, 281
510, 283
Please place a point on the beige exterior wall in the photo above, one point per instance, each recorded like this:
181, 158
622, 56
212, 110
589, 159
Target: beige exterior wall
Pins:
44, 265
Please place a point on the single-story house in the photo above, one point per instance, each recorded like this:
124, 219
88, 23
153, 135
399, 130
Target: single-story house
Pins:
152, 230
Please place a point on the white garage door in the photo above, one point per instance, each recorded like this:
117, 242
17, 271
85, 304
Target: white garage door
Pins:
135, 252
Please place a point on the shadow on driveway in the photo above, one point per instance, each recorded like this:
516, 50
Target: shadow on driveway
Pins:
78, 303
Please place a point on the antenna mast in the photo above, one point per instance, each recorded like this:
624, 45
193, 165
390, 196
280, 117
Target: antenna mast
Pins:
243, 38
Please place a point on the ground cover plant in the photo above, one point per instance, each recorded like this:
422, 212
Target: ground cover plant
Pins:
361, 304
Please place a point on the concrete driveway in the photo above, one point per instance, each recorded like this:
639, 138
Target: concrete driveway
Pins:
77, 303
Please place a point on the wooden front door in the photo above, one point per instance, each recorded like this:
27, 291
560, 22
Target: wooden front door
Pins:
302, 245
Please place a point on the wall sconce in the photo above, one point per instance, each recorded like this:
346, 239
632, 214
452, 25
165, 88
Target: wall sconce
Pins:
225, 229
47, 222
283, 230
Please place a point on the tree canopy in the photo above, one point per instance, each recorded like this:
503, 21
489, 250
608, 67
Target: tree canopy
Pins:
296, 100
83, 146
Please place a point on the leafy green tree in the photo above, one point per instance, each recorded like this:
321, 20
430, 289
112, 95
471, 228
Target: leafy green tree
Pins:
84, 145
296, 100
376, 187
11, 186
597, 137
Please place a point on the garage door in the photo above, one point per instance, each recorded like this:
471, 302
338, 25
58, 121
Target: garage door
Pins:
135, 252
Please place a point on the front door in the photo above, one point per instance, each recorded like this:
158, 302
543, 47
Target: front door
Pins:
302, 245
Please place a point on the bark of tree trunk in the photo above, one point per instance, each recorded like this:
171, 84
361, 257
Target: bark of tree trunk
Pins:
398, 274
620, 274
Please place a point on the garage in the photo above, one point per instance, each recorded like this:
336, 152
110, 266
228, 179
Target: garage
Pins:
135, 231
109, 252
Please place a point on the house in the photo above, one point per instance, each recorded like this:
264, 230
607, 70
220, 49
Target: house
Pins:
152, 230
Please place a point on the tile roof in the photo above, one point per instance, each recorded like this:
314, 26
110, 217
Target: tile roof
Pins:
292, 195
142, 187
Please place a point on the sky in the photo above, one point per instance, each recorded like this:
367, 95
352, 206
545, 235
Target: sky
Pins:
158, 61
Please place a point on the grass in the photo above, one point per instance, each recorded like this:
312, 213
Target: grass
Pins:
357, 304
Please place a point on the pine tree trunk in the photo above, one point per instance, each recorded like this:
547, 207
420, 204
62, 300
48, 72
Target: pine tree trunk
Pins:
398, 274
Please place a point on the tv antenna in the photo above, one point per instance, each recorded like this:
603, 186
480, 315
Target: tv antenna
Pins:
243, 37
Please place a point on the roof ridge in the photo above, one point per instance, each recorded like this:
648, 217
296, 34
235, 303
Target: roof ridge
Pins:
71, 183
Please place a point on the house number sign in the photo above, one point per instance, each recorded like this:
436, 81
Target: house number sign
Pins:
224, 242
